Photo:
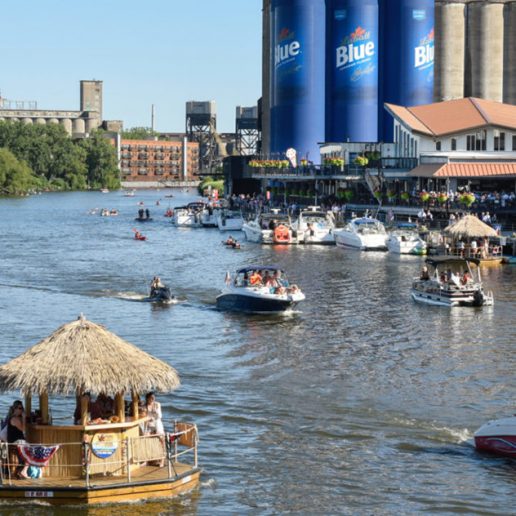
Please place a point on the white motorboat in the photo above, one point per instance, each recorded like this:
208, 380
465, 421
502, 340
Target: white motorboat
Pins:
229, 220
497, 436
450, 281
270, 228
189, 215
258, 289
406, 240
364, 233
209, 215
314, 226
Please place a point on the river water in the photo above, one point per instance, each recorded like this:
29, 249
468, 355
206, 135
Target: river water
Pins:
360, 402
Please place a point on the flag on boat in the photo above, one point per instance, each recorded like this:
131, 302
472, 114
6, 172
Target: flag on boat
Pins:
228, 278
37, 455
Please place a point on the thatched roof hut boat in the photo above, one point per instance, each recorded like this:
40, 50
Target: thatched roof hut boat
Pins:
469, 227
464, 234
80, 358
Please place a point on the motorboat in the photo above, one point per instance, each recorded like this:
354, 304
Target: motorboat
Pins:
229, 220
364, 233
405, 239
258, 289
160, 294
189, 215
209, 215
314, 226
129, 193
450, 281
497, 436
270, 228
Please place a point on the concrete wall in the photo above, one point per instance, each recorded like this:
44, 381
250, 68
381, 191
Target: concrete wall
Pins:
509, 66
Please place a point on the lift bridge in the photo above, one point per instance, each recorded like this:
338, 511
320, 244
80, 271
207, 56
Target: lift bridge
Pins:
201, 127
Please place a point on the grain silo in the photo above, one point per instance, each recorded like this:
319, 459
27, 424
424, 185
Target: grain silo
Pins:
297, 76
352, 34
450, 48
509, 67
484, 50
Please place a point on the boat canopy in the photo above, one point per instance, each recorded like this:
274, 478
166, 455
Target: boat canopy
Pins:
251, 268
364, 220
452, 260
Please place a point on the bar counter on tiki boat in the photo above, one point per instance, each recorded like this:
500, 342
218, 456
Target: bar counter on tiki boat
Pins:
114, 459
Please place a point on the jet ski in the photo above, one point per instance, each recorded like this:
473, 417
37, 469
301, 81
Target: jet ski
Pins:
160, 295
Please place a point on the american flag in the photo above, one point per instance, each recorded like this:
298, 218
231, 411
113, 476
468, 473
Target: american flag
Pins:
37, 455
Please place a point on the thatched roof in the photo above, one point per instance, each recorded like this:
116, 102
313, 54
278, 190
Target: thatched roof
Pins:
470, 226
85, 356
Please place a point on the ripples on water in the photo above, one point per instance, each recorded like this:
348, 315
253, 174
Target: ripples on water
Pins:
360, 401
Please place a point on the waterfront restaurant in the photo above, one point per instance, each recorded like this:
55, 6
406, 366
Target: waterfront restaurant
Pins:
109, 458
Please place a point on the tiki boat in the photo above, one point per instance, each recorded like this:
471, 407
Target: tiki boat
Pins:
93, 461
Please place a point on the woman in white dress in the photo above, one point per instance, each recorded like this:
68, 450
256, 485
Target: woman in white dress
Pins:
155, 423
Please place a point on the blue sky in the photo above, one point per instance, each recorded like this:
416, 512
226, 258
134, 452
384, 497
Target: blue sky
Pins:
161, 52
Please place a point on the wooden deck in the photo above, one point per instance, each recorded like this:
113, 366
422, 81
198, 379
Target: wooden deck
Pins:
146, 482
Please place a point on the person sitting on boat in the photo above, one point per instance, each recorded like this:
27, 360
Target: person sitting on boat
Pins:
425, 276
230, 240
16, 433
155, 285
466, 278
256, 279
138, 235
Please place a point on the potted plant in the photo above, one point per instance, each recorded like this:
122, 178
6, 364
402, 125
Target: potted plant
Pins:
405, 196
378, 195
391, 195
424, 196
467, 199
442, 197
361, 161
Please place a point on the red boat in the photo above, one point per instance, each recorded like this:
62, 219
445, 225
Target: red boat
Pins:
497, 436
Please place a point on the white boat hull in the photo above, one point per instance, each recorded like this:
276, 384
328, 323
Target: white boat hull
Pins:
367, 243
397, 246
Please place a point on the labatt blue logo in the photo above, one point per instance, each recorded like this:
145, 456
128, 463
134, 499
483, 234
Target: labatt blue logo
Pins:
287, 48
355, 49
424, 52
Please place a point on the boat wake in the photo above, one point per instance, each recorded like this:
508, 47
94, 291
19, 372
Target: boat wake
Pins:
140, 298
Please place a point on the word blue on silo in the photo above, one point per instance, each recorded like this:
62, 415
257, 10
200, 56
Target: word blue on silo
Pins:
297, 76
407, 72
352, 71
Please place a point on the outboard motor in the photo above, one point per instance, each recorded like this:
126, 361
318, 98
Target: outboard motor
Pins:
478, 298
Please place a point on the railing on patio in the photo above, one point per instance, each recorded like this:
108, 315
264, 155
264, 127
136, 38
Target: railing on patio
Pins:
114, 461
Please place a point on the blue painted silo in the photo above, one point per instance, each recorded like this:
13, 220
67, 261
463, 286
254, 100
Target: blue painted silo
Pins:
297, 77
407, 55
352, 36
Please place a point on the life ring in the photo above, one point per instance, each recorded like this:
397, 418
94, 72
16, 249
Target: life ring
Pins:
281, 234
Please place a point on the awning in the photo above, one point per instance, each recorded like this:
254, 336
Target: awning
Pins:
478, 170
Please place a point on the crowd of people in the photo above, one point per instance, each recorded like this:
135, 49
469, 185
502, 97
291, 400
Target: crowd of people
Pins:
273, 280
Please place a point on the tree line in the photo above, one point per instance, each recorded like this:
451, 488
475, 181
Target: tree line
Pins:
44, 157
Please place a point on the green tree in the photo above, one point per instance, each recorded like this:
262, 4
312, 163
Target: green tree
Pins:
15, 176
139, 133
101, 161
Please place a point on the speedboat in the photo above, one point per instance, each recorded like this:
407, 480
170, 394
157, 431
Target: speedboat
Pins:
243, 294
160, 295
450, 281
189, 215
229, 220
270, 228
315, 226
209, 215
364, 233
497, 436
406, 240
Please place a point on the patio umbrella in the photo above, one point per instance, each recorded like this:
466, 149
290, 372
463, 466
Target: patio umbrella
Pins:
470, 226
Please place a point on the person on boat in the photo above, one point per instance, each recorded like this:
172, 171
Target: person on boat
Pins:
466, 278
155, 285
140, 213
473, 248
256, 279
94, 409
425, 276
153, 407
138, 236
147, 213
230, 240
16, 433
